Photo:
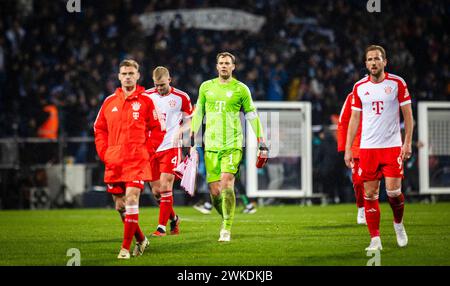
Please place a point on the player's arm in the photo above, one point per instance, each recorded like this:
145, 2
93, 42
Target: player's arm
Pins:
342, 126
251, 115
404, 99
351, 133
197, 118
101, 134
409, 125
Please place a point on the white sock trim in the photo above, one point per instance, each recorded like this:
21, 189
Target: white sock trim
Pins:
394, 193
371, 199
166, 194
130, 210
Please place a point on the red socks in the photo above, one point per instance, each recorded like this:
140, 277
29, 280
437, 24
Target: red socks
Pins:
359, 194
131, 225
372, 211
139, 235
397, 202
166, 207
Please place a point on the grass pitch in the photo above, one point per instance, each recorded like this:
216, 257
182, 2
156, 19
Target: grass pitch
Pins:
274, 236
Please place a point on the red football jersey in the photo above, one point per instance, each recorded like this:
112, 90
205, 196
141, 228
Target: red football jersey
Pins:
121, 135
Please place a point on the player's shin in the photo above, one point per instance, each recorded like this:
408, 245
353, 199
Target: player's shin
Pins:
139, 235
397, 203
372, 211
217, 203
131, 224
165, 207
228, 207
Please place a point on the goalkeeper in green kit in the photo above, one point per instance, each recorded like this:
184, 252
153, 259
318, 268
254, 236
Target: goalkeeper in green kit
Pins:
221, 99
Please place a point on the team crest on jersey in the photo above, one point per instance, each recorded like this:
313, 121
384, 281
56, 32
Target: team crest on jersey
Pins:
136, 115
229, 93
388, 90
136, 106
172, 103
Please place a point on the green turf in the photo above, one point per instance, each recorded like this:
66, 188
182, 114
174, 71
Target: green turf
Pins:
281, 235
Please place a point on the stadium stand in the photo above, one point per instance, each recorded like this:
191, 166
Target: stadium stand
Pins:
307, 51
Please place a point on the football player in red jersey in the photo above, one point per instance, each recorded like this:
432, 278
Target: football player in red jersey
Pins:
378, 99
121, 134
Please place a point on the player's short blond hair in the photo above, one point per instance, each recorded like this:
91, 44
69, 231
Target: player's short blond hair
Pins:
226, 54
129, 63
375, 48
160, 72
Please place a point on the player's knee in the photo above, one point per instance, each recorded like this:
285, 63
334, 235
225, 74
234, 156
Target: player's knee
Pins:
227, 181
393, 183
132, 199
371, 193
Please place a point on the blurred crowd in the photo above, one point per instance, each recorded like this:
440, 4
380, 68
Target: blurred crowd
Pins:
308, 50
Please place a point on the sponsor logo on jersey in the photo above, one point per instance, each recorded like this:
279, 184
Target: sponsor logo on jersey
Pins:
367, 93
136, 106
115, 109
377, 106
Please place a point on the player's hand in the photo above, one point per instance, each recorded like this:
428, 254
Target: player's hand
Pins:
348, 158
406, 151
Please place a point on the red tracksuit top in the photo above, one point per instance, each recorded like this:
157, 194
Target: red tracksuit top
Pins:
344, 120
122, 131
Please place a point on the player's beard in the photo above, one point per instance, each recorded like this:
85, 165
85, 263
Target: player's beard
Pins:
376, 74
225, 76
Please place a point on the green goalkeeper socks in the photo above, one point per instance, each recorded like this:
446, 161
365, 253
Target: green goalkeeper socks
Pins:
228, 206
217, 203
244, 199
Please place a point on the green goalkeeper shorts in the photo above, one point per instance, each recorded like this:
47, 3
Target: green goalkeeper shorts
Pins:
218, 162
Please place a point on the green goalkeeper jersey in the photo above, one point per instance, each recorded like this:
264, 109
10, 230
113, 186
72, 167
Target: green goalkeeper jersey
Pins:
222, 103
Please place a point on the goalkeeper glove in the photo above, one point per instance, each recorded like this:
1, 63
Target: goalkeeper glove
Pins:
263, 154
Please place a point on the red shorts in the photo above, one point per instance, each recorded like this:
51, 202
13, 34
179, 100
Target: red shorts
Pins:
376, 163
119, 188
356, 178
164, 162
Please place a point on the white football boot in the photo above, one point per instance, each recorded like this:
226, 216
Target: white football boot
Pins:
402, 237
124, 254
140, 247
225, 235
375, 244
